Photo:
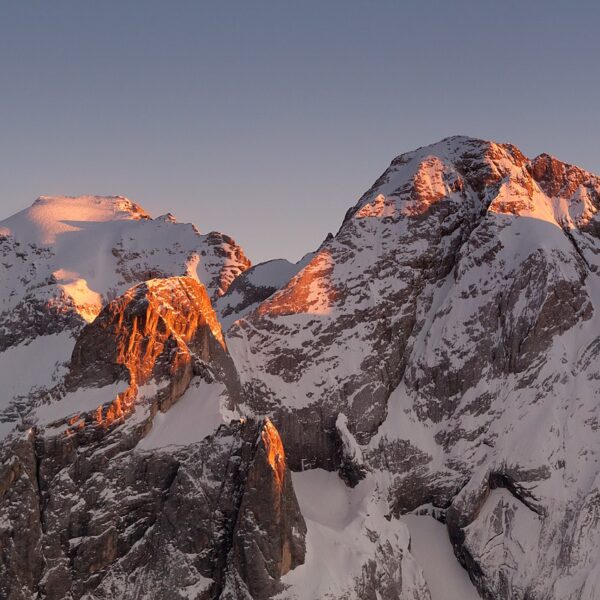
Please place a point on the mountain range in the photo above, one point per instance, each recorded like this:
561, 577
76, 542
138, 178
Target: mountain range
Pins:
410, 412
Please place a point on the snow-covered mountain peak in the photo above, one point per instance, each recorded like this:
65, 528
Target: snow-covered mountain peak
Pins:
50, 216
503, 179
468, 152
64, 258
453, 320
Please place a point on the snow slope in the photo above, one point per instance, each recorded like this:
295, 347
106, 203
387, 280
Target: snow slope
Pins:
348, 529
51, 217
27, 372
339, 520
197, 414
429, 544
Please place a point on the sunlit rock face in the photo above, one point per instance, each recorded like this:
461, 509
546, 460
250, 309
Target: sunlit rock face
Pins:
156, 331
269, 535
254, 286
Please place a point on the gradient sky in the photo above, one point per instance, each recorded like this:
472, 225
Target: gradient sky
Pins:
267, 120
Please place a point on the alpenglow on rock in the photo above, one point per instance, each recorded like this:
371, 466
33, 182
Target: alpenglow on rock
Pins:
410, 412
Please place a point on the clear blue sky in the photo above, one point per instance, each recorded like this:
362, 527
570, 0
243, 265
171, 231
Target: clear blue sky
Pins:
267, 120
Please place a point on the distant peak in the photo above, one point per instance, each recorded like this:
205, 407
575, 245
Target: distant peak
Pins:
459, 138
114, 203
51, 216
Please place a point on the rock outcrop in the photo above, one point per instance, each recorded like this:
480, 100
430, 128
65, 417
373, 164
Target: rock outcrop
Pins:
269, 534
162, 330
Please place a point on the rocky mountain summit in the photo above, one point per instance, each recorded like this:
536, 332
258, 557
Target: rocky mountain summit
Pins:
410, 412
